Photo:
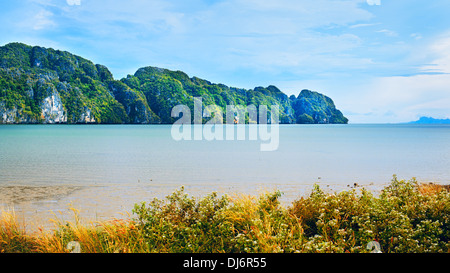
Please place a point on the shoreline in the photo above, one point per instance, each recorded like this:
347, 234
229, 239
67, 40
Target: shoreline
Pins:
41, 204
407, 217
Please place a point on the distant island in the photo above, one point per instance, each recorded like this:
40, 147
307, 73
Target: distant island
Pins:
430, 120
43, 85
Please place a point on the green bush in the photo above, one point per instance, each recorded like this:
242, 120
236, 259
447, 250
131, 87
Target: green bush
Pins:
401, 219
183, 224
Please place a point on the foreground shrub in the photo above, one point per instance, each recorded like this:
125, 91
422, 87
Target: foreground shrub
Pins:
406, 220
217, 224
404, 217
182, 224
401, 219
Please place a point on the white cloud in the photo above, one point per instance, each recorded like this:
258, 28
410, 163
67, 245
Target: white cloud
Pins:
388, 32
394, 99
43, 20
440, 50
405, 97
374, 2
363, 25
73, 2
282, 35
273, 35
416, 36
291, 14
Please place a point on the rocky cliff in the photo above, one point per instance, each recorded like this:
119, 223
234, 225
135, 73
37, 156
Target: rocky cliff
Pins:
313, 107
43, 85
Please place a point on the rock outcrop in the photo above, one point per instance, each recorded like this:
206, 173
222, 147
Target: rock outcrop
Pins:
313, 107
43, 85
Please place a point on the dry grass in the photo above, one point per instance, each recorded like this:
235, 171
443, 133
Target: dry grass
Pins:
432, 188
13, 238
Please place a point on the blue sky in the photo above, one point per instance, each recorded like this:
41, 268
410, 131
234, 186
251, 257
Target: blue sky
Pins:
379, 60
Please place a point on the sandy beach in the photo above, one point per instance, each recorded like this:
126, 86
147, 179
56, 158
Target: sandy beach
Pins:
22, 194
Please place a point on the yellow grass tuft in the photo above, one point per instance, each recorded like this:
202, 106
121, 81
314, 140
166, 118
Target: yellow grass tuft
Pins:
432, 188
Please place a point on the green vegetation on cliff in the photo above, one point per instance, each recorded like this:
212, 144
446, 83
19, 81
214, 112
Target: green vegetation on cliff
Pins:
43, 85
31, 74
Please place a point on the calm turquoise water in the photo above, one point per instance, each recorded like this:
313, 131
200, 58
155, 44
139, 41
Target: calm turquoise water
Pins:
105, 154
132, 162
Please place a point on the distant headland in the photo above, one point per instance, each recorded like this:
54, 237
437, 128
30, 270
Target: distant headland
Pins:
430, 120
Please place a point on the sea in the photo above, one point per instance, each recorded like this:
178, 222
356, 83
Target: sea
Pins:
102, 171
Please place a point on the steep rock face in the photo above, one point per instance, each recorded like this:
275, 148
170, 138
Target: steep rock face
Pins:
313, 107
53, 109
43, 85
135, 103
86, 116
12, 115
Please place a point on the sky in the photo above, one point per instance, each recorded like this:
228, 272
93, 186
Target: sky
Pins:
381, 61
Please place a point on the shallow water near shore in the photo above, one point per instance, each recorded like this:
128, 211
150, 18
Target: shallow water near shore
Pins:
103, 170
